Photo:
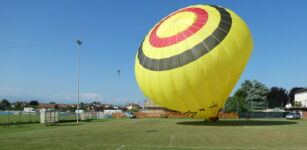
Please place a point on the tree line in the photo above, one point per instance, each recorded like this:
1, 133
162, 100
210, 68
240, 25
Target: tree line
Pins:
254, 95
20, 105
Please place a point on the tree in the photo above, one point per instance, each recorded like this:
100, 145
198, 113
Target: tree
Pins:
5, 104
292, 92
277, 97
257, 95
33, 103
82, 105
297, 104
131, 110
251, 95
237, 103
71, 108
240, 97
246, 86
231, 105
18, 105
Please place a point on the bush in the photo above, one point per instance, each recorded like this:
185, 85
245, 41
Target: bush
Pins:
163, 116
133, 110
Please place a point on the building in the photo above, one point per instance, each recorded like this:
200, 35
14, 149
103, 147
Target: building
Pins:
300, 102
28, 109
151, 107
300, 97
133, 107
52, 106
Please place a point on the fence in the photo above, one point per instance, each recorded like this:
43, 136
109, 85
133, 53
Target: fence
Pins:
20, 117
100, 115
228, 115
262, 114
155, 115
152, 115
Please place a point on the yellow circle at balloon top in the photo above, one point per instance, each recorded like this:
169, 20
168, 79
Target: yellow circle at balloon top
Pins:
176, 24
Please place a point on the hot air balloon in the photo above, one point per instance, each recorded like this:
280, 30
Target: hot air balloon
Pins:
191, 60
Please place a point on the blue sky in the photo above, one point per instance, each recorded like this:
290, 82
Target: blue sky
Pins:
38, 49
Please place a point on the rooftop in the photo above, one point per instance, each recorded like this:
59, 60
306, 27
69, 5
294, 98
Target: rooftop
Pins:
301, 90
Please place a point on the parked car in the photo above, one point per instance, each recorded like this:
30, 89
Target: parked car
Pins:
293, 115
130, 115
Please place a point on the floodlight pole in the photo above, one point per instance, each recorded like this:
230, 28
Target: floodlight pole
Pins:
118, 73
78, 75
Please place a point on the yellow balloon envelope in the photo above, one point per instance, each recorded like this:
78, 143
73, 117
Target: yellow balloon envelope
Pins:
191, 60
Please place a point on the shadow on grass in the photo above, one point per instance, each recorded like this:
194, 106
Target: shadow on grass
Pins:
18, 123
68, 124
152, 131
238, 123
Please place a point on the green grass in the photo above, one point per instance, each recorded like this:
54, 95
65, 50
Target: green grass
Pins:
161, 134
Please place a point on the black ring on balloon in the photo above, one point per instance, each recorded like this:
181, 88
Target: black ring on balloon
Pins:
195, 52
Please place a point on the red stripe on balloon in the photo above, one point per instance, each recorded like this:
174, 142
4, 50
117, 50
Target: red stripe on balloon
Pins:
201, 19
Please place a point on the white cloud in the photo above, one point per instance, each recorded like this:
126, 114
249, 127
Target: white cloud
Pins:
89, 97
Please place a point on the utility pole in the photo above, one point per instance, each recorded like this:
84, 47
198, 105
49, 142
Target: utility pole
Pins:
78, 74
145, 103
282, 104
252, 108
267, 109
237, 108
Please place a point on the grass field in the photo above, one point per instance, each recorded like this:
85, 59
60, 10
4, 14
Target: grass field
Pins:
161, 134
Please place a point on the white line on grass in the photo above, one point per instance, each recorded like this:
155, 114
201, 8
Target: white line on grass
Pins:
120, 147
192, 147
171, 140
